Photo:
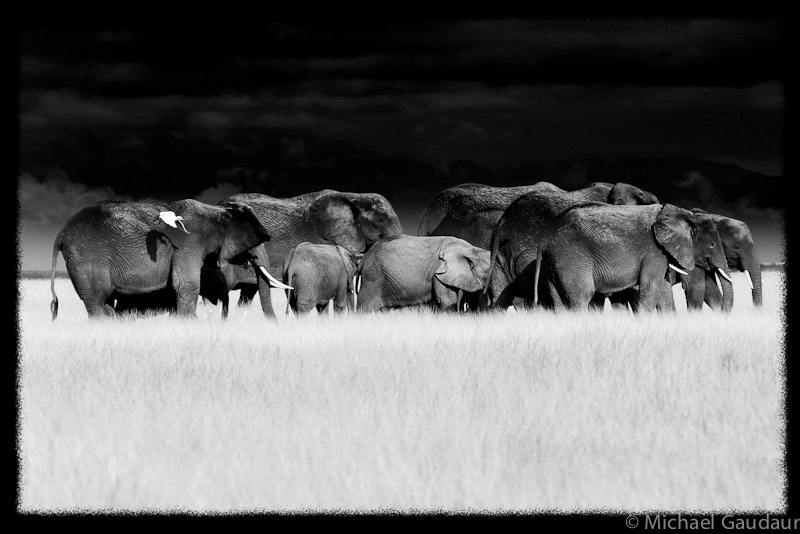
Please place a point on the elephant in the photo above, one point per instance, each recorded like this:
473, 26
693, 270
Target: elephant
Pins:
699, 284
471, 211
740, 253
116, 249
516, 236
354, 221
403, 270
213, 289
319, 273
598, 249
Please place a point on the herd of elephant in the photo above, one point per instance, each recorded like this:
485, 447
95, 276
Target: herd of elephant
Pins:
478, 248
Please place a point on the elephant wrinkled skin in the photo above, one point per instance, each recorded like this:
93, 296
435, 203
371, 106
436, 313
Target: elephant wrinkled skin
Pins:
354, 221
116, 249
317, 274
471, 211
517, 234
602, 249
402, 270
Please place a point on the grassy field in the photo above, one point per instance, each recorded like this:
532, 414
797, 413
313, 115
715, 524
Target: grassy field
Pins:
526, 411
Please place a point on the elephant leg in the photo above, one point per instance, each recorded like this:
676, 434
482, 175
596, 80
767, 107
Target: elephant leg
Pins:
578, 290
712, 295
666, 302
246, 295
95, 293
597, 302
621, 299
187, 290
340, 301
651, 278
556, 299
322, 309
224, 300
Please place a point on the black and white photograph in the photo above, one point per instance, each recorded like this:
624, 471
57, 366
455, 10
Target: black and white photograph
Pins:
450, 266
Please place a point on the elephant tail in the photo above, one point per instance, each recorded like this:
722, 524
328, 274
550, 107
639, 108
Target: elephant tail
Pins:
54, 302
536, 276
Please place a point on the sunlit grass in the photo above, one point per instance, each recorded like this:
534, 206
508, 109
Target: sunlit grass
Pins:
407, 410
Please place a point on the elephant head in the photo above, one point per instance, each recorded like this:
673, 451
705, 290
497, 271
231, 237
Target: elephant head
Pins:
627, 194
461, 268
233, 233
692, 240
739, 249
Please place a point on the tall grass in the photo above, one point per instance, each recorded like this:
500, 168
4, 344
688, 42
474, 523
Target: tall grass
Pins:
407, 410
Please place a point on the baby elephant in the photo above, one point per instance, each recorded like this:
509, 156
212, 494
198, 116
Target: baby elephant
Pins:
443, 272
319, 273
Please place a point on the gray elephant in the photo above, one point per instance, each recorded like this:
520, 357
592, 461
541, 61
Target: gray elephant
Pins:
403, 270
213, 288
354, 221
117, 249
700, 283
740, 253
597, 249
317, 274
471, 211
516, 236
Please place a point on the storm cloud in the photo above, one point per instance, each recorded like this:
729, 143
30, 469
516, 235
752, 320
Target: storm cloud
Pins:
403, 108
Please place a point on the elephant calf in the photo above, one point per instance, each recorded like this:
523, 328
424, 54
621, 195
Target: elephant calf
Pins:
403, 270
319, 273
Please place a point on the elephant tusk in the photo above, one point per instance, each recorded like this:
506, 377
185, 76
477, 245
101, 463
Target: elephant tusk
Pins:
355, 292
358, 284
678, 270
749, 280
724, 274
272, 281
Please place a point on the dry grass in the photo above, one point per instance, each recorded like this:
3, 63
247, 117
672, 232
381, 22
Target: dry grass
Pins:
405, 410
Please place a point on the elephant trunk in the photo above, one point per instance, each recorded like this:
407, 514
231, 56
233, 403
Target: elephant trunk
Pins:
727, 290
54, 302
751, 265
264, 280
265, 295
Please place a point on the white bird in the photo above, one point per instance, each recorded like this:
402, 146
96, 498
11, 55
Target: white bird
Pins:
170, 218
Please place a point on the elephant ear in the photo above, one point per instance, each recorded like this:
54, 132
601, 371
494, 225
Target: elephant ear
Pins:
457, 268
674, 230
243, 232
333, 218
240, 211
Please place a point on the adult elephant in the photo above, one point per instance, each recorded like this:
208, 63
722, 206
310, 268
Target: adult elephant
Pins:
115, 249
740, 254
213, 288
402, 270
319, 274
471, 211
516, 236
354, 221
595, 248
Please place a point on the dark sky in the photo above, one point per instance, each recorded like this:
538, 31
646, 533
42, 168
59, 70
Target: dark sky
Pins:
405, 109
